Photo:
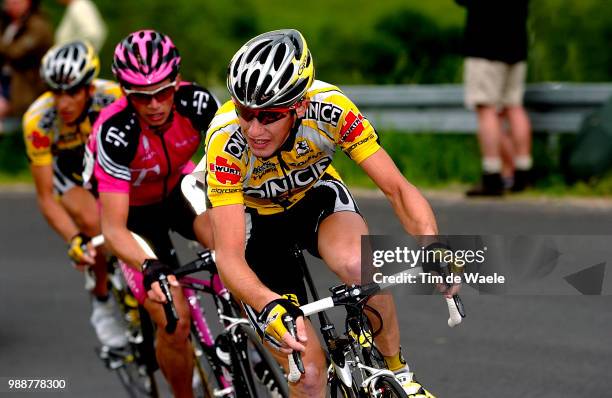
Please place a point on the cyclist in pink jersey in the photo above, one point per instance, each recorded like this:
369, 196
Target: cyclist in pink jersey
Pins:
142, 148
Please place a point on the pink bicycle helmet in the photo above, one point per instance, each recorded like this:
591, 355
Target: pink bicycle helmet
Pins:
145, 57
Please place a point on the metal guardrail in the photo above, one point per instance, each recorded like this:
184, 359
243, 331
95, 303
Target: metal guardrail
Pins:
10, 125
552, 107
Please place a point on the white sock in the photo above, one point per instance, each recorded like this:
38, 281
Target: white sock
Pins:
491, 165
523, 162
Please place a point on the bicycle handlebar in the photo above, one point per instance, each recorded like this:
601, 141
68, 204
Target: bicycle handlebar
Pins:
204, 262
169, 308
296, 365
343, 295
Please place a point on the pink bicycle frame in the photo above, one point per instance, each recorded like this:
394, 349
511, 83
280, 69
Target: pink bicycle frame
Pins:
134, 280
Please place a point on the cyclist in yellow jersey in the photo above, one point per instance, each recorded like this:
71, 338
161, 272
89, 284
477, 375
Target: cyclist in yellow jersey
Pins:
268, 173
55, 129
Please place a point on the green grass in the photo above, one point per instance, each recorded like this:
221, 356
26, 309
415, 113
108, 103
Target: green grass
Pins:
430, 161
451, 161
13, 161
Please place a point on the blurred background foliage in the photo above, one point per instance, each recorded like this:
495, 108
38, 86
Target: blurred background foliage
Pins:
361, 41
374, 42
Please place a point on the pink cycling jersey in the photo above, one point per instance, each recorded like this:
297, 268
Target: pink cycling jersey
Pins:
130, 157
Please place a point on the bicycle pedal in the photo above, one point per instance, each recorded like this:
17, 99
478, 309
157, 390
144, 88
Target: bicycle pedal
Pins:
136, 340
115, 364
103, 352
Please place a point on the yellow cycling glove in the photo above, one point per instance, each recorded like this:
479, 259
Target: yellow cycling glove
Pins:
271, 319
77, 247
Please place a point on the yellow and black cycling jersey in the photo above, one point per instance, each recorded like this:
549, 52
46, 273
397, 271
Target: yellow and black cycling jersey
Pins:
233, 175
47, 138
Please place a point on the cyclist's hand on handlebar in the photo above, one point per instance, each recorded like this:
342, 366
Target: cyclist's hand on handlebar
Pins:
152, 270
441, 262
271, 322
449, 291
81, 251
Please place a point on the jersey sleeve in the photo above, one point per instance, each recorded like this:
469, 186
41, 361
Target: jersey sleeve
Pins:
106, 93
116, 144
38, 135
197, 104
354, 133
223, 168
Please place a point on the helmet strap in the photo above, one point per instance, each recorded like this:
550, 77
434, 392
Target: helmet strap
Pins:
290, 140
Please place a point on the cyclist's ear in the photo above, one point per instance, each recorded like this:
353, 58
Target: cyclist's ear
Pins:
301, 108
178, 80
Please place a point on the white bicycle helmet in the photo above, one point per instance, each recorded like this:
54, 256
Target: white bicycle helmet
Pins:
272, 70
70, 65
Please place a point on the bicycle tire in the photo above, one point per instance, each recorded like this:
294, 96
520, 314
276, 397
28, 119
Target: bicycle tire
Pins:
388, 387
137, 359
250, 357
208, 373
338, 389
137, 384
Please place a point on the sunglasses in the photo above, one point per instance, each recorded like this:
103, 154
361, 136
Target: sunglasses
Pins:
144, 97
264, 116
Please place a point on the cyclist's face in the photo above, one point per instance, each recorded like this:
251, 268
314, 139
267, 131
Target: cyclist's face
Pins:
265, 133
70, 104
154, 109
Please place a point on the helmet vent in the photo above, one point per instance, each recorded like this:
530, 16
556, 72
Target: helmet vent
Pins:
279, 56
297, 45
255, 50
252, 85
286, 76
263, 56
236, 64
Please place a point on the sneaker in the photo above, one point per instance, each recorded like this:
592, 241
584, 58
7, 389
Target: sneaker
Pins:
522, 180
109, 329
491, 185
411, 386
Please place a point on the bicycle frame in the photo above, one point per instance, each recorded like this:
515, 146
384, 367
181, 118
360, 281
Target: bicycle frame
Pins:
189, 285
353, 298
221, 297
230, 323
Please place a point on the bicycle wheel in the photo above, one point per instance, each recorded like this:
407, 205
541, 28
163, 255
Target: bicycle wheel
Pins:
255, 371
337, 389
135, 363
211, 378
387, 387
137, 380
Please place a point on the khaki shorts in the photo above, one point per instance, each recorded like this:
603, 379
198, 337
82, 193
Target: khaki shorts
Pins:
493, 82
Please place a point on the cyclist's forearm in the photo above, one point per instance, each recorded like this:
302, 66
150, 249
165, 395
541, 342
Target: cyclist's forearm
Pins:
410, 206
57, 217
242, 282
413, 211
115, 210
123, 245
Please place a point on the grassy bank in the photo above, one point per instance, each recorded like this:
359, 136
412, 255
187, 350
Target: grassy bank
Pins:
453, 160
427, 160
13, 161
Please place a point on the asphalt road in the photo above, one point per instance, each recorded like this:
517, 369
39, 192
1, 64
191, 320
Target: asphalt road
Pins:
509, 346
